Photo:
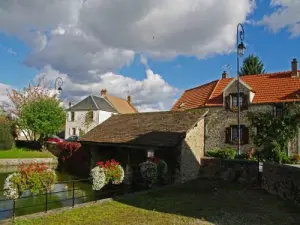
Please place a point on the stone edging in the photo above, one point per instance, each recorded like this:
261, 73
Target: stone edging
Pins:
17, 162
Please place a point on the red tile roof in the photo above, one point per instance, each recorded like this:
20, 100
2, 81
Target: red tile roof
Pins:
268, 88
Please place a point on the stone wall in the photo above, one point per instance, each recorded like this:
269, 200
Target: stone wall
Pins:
192, 149
12, 165
282, 180
218, 119
242, 171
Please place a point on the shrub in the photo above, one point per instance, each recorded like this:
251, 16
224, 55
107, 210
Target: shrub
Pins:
225, 153
6, 138
295, 158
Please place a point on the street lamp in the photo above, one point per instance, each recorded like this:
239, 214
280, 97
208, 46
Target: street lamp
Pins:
240, 52
58, 84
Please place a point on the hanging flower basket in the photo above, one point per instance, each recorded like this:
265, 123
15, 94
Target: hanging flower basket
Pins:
37, 178
109, 172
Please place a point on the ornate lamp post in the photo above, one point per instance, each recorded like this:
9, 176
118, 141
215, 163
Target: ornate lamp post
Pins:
240, 52
58, 84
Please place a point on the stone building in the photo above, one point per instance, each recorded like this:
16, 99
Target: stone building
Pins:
264, 92
176, 137
101, 108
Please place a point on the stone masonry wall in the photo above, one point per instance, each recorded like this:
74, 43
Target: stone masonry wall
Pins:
242, 171
192, 150
282, 180
218, 119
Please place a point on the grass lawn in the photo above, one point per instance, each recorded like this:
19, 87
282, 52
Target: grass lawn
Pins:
200, 202
17, 153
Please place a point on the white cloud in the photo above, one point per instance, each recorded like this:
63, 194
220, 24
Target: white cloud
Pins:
150, 94
86, 40
4, 100
285, 15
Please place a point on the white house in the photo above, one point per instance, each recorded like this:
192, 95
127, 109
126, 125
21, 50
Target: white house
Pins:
102, 107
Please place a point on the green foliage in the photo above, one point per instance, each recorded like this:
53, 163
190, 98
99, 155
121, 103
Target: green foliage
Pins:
81, 132
6, 138
43, 116
88, 118
225, 153
273, 152
252, 65
274, 132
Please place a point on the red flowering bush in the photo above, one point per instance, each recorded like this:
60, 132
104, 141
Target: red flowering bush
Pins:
68, 148
113, 171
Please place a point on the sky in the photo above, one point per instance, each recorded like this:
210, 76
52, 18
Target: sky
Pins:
152, 50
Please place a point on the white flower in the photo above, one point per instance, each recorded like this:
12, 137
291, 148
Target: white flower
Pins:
148, 170
10, 191
121, 177
98, 175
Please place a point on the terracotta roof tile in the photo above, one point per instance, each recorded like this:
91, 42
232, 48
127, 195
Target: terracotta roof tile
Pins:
121, 105
195, 97
268, 88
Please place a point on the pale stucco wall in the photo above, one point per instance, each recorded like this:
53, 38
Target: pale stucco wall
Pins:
78, 123
192, 149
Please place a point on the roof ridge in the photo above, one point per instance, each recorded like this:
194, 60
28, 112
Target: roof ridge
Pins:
201, 85
94, 102
268, 74
211, 94
160, 112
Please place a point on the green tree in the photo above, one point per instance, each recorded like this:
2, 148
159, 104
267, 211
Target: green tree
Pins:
88, 120
252, 65
6, 138
274, 132
43, 117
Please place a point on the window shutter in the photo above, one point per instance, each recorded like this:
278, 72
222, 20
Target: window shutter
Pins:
227, 102
69, 116
245, 102
245, 133
227, 135
70, 131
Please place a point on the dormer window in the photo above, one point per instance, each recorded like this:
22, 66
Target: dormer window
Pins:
231, 101
182, 105
234, 100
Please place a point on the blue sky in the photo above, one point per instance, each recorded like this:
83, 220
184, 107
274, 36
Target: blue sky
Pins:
20, 63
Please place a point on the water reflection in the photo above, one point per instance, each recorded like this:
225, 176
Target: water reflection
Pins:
60, 196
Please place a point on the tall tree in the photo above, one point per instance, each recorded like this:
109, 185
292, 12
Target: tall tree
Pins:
19, 98
43, 117
252, 65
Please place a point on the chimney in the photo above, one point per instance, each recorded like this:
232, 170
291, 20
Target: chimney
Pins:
295, 68
103, 92
129, 98
224, 75
70, 104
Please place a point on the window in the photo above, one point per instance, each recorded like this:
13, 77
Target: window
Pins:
232, 134
278, 110
73, 131
234, 100
72, 116
231, 101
